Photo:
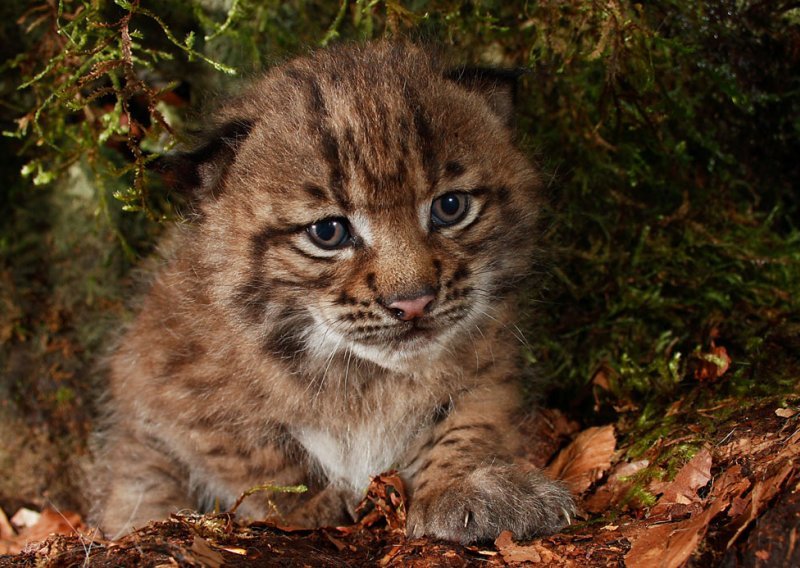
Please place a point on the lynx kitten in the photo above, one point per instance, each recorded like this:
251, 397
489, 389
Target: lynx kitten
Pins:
339, 306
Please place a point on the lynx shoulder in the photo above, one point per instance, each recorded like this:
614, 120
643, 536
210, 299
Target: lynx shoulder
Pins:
339, 306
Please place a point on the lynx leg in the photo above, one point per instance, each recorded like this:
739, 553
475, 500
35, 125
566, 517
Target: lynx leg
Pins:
466, 487
142, 484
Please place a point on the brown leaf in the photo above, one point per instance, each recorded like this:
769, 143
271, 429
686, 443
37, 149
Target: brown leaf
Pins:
683, 489
586, 459
762, 493
611, 493
670, 545
600, 383
387, 494
48, 522
535, 552
712, 365
6, 530
785, 412
25, 518
389, 556
334, 541
206, 556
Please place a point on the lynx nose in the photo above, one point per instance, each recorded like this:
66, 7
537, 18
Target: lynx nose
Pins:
409, 309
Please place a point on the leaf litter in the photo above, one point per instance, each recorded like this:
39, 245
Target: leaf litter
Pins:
713, 507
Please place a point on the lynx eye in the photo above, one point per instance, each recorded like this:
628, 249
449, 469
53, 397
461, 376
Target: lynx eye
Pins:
329, 233
449, 209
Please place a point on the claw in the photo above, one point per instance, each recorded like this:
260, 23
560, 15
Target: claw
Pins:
466, 519
566, 516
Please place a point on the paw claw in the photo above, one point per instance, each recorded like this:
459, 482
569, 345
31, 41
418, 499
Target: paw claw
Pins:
487, 501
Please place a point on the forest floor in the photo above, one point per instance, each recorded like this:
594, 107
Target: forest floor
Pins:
725, 495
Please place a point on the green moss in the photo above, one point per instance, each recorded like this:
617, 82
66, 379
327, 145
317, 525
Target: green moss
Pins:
638, 494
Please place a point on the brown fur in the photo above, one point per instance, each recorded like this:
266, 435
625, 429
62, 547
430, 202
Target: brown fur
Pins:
258, 357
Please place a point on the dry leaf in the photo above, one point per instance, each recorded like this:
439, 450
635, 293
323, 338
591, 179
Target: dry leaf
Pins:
600, 382
762, 493
234, 550
46, 523
205, 555
611, 492
25, 518
535, 552
335, 541
670, 545
512, 552
683, 489
53, 522
395, 550
6, 530
785, 412
387, 494
712, 365
586, 459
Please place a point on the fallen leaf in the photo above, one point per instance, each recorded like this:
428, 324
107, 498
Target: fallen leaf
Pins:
25, 518
389, 556
235, 550
512, 552
387, 495
535, 552
47, 523
586, 459
712, 365
670, 545
683, 489
6, 530
785, 412
611, 493
335, 541
600, 383
206, 556
762, 493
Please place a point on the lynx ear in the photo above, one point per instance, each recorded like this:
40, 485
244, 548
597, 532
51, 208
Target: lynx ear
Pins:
199, 173
497, 86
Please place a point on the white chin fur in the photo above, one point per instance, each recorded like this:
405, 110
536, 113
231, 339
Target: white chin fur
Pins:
405, 359
323, 342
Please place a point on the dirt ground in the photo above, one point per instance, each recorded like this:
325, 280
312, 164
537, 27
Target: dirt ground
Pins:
728, 499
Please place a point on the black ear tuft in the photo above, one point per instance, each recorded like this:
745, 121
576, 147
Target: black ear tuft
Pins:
200, 172
497, 86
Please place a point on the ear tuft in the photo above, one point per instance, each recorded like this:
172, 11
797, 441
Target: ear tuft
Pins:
497, 86
200, 173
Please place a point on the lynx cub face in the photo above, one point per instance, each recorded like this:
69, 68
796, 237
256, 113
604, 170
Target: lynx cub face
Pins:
340, 306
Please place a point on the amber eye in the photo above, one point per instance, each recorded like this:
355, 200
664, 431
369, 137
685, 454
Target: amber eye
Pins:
330, 233
449, 209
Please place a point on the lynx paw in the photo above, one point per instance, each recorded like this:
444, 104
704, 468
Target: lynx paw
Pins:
489, 500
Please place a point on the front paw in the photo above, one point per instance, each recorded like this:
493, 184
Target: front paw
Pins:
487, 501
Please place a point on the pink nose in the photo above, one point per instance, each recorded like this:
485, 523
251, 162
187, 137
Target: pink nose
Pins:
408, 310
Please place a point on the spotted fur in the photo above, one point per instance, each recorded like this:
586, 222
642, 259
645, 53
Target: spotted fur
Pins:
259, 356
